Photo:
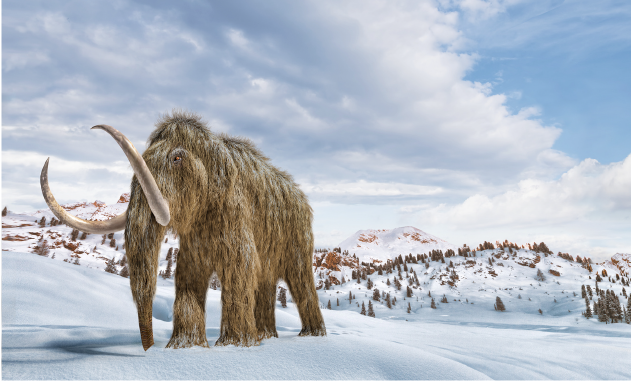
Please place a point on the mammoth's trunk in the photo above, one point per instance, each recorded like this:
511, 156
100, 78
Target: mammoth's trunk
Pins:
143, 238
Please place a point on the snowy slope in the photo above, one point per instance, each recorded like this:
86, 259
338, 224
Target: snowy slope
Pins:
21, 232
369, 245
62, 321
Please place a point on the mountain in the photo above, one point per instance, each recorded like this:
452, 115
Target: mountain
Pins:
620, 262
380, 245
409, 268
419, 261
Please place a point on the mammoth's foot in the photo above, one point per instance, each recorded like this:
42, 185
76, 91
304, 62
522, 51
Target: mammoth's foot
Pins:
315, 331
267, 333
187, 341
146, 335
242, 340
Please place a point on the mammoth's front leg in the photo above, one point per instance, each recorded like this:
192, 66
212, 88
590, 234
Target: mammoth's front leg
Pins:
143, 237
239, 280
192, 275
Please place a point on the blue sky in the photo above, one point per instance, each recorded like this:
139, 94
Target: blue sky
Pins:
569, 58
472, 120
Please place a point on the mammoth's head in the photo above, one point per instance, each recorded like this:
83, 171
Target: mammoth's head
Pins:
172, 173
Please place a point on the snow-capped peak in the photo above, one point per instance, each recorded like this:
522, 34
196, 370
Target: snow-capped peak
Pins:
384, 244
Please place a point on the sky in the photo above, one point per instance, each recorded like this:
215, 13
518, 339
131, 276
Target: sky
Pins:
471, 120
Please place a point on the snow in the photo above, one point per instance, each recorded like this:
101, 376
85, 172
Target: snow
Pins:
60, 320
72, 322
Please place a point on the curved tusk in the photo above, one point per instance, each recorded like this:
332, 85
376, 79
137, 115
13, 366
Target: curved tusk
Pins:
159, 206
100, 227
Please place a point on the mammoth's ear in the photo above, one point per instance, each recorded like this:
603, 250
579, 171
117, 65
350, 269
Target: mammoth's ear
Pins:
222, 169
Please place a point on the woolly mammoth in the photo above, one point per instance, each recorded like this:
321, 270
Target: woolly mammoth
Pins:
235, 214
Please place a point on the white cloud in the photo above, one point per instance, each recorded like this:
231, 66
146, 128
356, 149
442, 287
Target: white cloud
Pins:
587, 190
365, 188
372, 104
237, 38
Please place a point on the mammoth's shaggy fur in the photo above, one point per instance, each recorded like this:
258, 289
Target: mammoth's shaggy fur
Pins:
236, 215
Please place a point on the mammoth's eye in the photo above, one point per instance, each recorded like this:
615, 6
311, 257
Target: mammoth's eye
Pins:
177, 156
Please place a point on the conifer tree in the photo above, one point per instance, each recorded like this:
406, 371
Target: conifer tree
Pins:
409, 308
168, 271
388, 301
388, 282
369, 284
499, 305
409, 292
42, 247
371, 313
433, 304
602, 311
540, 277
589, 291
328, 306
338, 302
4, 212
583, 292
363, 311
614, 308
282, 297
350, 297
124, 272
588, 311
376, 296
74, 235
111, 267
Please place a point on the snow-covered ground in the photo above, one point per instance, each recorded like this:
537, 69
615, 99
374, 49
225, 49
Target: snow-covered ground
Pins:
61, 321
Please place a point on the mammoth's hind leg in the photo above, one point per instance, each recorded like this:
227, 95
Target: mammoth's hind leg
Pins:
303, 292
239, 275
264, 310
189, 309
